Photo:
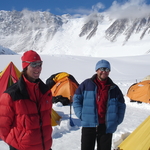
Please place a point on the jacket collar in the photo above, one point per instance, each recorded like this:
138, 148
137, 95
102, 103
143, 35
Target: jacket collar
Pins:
21, 83
109, 81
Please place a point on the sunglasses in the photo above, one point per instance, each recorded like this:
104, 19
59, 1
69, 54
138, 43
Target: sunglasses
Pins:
34, 64
104, 69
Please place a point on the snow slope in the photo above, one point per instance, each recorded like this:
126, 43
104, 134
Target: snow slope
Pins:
125, 72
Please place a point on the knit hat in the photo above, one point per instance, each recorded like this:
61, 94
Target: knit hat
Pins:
102, 64
29, 56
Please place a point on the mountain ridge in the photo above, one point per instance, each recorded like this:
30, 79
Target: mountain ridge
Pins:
97, 33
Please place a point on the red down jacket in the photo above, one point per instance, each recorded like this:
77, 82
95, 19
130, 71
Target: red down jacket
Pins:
25, 115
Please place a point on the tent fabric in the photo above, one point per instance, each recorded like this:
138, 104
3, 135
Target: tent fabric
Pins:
146, 78
60, 76
11, 75
139, 139
62, 84
55, 119
140, 91
8, 76
64, 100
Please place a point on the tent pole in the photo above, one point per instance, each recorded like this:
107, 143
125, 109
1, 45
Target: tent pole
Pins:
71, 121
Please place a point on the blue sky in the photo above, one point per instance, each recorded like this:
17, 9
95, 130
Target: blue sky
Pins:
56, 7
59, 7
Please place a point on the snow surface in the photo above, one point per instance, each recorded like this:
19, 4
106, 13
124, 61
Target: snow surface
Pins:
125, 71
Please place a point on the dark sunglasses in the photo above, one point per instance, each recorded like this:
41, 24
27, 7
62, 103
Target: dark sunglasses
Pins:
104, 69
34, 64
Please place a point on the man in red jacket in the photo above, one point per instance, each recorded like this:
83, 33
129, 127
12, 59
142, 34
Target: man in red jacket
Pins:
25, 109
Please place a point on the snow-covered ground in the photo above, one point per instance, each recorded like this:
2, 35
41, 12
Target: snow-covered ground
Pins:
125, 72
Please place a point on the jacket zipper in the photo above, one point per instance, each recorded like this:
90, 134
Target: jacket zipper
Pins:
112, 87
41, 130
40, 121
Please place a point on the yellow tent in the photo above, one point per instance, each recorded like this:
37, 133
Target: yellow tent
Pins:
139, 139
55, 118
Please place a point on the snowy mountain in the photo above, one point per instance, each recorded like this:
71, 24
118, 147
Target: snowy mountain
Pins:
97, 34
6, 51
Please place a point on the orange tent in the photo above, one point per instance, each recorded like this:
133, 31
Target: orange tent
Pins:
8, 76
62, 84
140, 91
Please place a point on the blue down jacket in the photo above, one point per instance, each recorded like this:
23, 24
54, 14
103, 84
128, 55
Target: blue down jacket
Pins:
84, 104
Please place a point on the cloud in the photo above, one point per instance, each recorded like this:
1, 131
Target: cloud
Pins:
81, 11
84, 11
97, 7
129, 9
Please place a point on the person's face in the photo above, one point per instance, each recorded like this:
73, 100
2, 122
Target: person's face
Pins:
34, 70
103, 73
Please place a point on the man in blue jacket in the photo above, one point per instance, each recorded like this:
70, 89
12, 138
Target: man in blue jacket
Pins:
100, 105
